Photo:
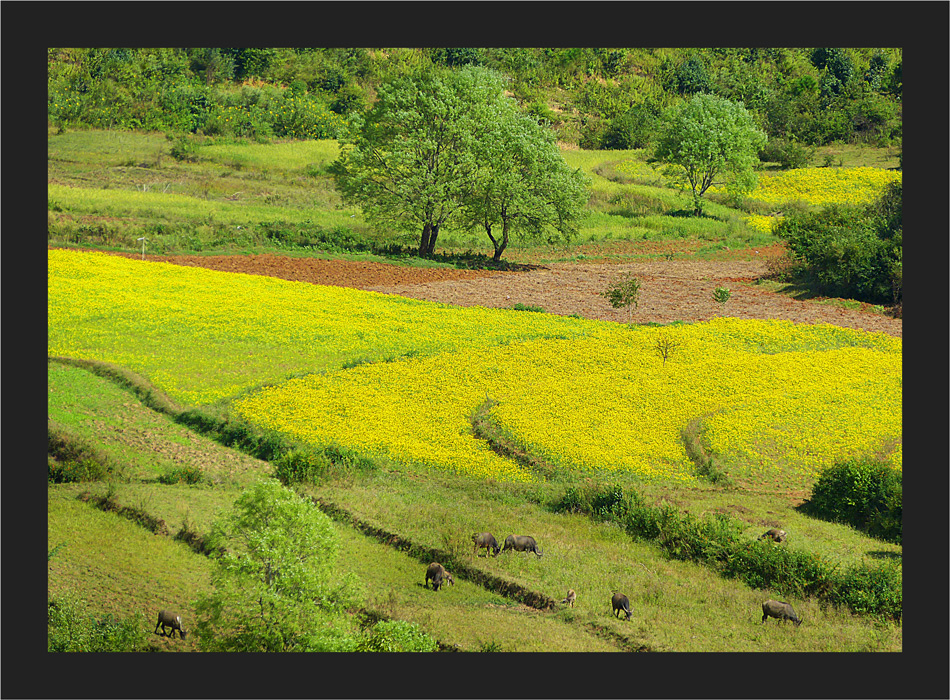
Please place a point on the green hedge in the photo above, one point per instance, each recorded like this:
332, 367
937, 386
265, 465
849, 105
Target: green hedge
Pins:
717, 541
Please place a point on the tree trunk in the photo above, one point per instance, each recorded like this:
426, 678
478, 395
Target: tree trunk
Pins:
500, 248
433, 235
424, 243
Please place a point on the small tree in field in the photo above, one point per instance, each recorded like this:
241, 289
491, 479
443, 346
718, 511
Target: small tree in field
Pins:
721, 295
665, 346
623, 293
276, 587
709, 140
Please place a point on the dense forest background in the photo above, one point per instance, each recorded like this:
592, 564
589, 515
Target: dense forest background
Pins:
595, 98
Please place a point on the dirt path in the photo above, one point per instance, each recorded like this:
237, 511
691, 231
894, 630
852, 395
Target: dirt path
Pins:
670, 289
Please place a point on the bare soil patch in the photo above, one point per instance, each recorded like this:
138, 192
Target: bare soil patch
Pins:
671, 290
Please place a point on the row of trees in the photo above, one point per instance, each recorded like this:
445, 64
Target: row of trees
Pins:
443, 147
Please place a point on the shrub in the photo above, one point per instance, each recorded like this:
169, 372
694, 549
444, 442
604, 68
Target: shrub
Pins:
844, 252
874, 590
866, 494
788, 154
397, 635
300, 466
179, 475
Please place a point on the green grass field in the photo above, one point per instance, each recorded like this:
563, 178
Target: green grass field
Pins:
208, 339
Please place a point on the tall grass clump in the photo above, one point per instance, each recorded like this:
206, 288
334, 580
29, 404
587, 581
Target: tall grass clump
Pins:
71, 627
73, 459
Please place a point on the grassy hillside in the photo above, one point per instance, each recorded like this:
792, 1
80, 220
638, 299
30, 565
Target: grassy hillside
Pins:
142, 571
424, 510
107, 189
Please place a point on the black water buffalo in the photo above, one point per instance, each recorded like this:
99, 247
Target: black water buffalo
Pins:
521, 543
621, 603
437, 573
485, 540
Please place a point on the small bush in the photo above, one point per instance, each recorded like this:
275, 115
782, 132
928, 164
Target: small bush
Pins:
301, 466
866, 494
789, 154
398, 635
184, 149
182, 475
874, 590
524, 307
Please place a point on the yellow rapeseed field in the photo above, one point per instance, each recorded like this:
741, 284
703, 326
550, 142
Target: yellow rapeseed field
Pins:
775, 397
818, 187
606, 401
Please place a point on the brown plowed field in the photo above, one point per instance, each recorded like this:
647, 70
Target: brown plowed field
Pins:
670, 289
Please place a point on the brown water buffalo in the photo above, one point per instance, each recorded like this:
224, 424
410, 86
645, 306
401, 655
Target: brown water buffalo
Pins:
521, 543
621, 603
780, 610
167, 618
774, 534
437, 573
570, 598
485, 540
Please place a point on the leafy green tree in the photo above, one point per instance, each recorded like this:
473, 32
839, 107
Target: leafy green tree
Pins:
411, 163
691, 77
523, 184
276, 587
708, 140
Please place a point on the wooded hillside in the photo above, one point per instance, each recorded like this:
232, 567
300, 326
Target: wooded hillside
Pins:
595, 98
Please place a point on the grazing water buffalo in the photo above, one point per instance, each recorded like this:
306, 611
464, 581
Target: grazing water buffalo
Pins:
571, 597
779, 610
170, 619
521, 543
485, 540
621, 603
774, 534
437, 573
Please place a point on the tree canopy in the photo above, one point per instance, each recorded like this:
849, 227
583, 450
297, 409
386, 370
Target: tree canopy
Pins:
449, 148
275, 583
710, 140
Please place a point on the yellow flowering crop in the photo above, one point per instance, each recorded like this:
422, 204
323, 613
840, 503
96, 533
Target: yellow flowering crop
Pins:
606, 401
203, 335
823, 186
774, 396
